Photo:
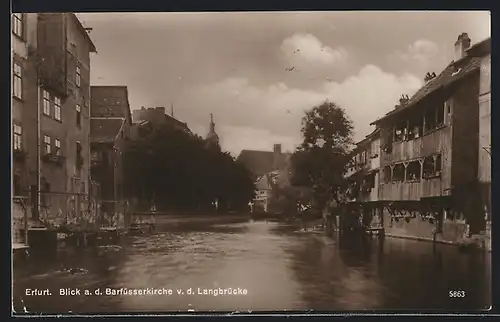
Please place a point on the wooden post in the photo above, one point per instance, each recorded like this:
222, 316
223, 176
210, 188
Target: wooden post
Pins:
381, 211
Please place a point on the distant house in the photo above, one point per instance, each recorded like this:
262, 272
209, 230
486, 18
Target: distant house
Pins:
269, 169
155, 116
260, 163
110, 126
265, 185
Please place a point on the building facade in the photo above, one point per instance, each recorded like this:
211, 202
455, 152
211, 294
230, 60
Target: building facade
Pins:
482, 50
63, 53
260, 163
429, 154
363, 169
268, 169
110, 131
24, 101
51, 88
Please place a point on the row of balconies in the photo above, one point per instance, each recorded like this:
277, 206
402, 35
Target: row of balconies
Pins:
19, 155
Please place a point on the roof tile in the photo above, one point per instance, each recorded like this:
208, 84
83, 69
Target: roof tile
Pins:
451, 74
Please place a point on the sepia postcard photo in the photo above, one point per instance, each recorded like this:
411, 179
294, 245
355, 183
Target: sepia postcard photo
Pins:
251, 162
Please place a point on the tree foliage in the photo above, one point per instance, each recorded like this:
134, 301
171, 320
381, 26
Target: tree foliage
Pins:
320, 161
177, 170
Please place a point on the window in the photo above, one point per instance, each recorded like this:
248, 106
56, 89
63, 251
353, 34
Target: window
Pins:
413, 171
398, 173
78, 114
363, 157
18, 24
57, 147
432, 166
400, 132
440, 116
79, 159
17, 81
415, 127
78, 150
46, 142
78, 76
369, 182
17, 137
387, 174
431, 119
46, 103
437, 163
57, 108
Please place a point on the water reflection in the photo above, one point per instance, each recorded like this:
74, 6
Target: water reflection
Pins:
280, 267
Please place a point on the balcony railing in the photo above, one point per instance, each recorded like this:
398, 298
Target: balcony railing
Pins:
53, 158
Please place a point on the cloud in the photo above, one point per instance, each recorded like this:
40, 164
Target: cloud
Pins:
421, 51
254, 117
302, 48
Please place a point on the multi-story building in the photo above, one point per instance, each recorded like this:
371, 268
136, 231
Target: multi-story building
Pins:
51, 70
63, 63
23, 109
363, 169
429, 154
24, 100
110, 127
260, 163
268, 169
482, 50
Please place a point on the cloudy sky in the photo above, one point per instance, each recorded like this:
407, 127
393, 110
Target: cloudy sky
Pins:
234, 65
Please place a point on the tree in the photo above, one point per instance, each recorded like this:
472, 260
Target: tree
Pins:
177, 170
320, 161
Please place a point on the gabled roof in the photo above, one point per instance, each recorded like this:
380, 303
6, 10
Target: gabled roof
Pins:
84, 32
482, 48
110, 101
175, 122
262, 183
454, 72
260, 162
105, 129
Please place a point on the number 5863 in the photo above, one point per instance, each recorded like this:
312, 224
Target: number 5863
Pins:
455, 294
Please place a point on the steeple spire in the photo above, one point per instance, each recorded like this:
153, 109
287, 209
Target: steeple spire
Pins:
212, 137
212, 124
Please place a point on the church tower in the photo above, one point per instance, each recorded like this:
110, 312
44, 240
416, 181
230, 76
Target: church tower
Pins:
212, 139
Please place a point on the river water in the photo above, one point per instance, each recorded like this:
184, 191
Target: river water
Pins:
267, 266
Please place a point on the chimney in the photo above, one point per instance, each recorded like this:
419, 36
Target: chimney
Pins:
276, 156
429, 76
461, 45
160, 110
